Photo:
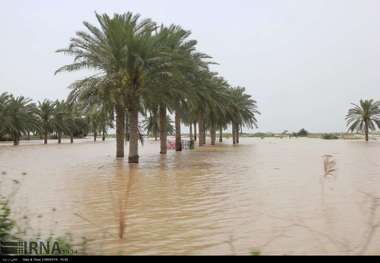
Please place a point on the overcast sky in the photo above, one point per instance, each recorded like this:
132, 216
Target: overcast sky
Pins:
304, 61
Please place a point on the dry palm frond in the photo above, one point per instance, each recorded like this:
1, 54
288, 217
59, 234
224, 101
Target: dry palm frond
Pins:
328, 166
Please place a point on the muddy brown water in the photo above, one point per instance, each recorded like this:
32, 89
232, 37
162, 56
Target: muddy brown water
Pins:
274, 196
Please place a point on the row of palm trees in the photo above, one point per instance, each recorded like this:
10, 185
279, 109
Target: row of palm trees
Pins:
140, 67
19, 116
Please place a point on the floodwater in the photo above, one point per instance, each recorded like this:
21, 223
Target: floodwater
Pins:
273, 196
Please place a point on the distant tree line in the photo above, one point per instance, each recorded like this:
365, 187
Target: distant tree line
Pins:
20, 117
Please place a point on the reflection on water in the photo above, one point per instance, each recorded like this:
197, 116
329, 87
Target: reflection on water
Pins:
262, 195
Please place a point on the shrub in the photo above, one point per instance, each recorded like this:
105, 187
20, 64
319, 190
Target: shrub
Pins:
302, 133
329, 136
7, 225
255, 252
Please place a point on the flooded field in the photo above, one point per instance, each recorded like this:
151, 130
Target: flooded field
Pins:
273, 196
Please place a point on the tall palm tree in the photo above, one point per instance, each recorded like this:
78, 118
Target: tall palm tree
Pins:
123, 52
205, 98
45, 113
172, 91
215, 112
364, 117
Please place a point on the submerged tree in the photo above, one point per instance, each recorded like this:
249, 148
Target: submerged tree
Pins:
364, 117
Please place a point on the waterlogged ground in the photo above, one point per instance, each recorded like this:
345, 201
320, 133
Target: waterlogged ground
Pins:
299, 196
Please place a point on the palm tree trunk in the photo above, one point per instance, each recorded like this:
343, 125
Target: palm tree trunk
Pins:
95, 135
28, 135
71, 139
204, 133
195, 131
59, 137
120, 121
104, 134
233, 134
237, 134
366, 131
133, 134
178, 139
16, 140
221, 134
155, 134
163, 131
156, 129
126, 127
213, 134
46, 137
191, 132
201, 129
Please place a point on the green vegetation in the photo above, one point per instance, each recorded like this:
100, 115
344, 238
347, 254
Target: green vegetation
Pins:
329, 136
8, 232
11, 231
7, 225
364, 117
255, 252
49, 119
16, 116
260, 135
302, 133
152, 126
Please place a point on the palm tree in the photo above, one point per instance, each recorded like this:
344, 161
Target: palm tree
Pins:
151, 125
71, 121
105, 120
172, 91
4, 104
205, 100
123, 52
364, 117
94, 115
216, 111
45, 113
80, 127
169, 126
242, 111
59, 117
18, 116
